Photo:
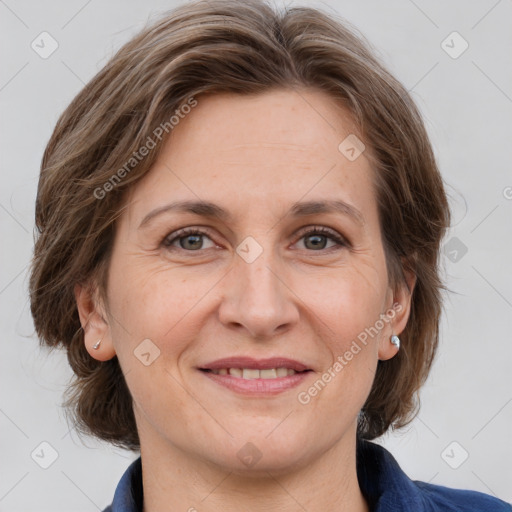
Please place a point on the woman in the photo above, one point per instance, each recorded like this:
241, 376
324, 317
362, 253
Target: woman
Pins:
239, 226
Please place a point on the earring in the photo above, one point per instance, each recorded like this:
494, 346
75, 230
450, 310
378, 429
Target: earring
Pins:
396, 341
96, 346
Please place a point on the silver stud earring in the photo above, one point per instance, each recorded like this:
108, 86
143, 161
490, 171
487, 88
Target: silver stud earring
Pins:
96, 346
396, 341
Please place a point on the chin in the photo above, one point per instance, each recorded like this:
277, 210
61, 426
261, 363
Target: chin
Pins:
258, 454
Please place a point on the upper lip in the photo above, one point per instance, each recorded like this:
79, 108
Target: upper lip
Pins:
257, 364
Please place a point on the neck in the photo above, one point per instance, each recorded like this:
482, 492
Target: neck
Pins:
175, 480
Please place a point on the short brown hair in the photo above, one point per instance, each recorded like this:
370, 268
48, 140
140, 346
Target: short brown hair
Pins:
208, 47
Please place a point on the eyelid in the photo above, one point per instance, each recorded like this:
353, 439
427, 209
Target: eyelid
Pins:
185, 231
324, 230
334, 235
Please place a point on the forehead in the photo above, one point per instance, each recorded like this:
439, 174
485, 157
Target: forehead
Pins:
258, 151
295, 123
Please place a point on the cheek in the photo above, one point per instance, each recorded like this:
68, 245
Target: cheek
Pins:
350, 330
348, 305
152, 325
349, 300
155, 302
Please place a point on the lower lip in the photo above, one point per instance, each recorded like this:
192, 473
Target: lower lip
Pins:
258, 387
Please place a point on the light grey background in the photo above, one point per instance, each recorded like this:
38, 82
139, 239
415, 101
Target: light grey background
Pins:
467, 105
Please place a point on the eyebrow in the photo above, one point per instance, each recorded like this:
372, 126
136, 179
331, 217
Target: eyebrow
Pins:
211, 210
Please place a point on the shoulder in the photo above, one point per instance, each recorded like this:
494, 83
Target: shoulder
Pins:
388, 489
446, 499
128, 496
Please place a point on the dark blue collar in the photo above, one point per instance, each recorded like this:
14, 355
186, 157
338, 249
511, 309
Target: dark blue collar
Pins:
385, 486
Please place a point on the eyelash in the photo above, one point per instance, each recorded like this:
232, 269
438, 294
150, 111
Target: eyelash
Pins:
310, 230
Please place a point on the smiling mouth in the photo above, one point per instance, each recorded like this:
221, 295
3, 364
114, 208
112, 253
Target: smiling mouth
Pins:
253, 373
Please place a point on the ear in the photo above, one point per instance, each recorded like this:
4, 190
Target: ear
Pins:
399, 314
93, 319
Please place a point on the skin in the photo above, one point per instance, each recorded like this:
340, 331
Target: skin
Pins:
254, 156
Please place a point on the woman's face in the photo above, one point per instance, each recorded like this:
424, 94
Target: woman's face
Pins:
265, 275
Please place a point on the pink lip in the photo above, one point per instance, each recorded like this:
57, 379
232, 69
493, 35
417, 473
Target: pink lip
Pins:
256, 364
257, 387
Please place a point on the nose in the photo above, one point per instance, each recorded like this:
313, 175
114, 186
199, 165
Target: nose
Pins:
257, 298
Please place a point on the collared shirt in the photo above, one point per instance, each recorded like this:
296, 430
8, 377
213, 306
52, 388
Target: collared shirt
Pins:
385, 486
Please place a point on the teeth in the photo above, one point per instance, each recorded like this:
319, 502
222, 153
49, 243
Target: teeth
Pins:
270, 373
251, 373
282, 372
